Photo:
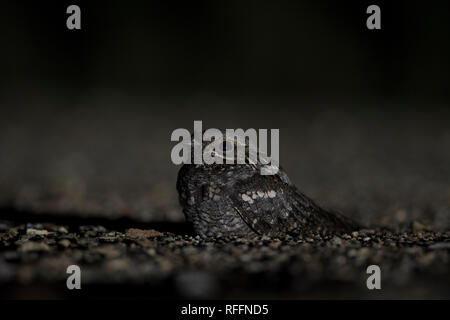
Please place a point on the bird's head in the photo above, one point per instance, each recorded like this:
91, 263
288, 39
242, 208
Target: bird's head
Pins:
223, 147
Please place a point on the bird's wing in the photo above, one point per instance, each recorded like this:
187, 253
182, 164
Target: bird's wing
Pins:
272, 207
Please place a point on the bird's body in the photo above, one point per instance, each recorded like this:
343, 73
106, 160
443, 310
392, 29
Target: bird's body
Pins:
223, 199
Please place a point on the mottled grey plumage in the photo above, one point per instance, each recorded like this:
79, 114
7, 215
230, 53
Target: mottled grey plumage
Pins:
237, 200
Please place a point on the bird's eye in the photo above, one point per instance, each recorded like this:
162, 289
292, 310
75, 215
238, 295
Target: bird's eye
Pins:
225, 146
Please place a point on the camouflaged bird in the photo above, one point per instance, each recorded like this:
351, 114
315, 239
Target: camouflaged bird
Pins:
235, 199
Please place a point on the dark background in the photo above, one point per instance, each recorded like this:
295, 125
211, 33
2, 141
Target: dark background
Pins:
301, 49
86, 115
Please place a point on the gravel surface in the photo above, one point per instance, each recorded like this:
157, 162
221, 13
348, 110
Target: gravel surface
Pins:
160, 264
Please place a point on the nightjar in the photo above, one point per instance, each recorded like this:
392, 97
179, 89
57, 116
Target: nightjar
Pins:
235, 199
